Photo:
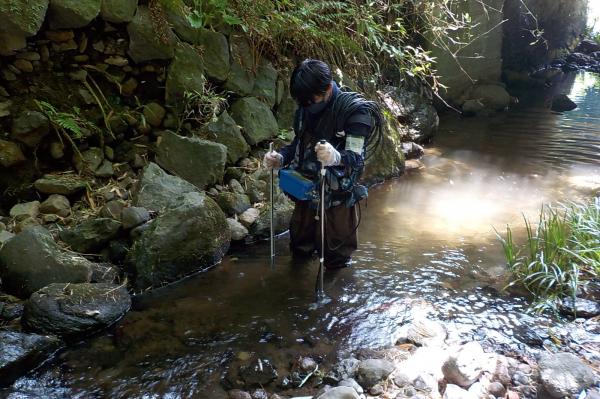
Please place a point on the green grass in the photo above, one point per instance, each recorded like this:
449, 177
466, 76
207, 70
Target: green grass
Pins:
559, 254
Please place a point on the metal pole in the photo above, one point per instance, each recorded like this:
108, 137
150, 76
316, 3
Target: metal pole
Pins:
272, 211
320, 290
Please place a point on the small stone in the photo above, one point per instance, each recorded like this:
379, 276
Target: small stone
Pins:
67, 46
29, 56
105, 169
238, 231
238, 394
8, 75
3, 92
80, 75
25, 210
351, 382
376, 390
81, 58
47, 219
44, 53
154, 114
134, 216
116, 61
138, 162
260, 394
83, 43
109, 153
10, 154
129, 86
25, 224
112, 209
98, 46
496, 389
57, 150
60, 35
56, 204
249, 216
236, 187
23, 65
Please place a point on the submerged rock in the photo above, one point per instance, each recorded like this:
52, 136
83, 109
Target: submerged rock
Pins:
23, 352
562, 103
73, 309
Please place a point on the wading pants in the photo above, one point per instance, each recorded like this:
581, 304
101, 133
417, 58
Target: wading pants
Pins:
341, 237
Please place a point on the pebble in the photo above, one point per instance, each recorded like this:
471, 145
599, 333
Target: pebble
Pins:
60, 35
8, 75
116, 61
23, 65
29, 56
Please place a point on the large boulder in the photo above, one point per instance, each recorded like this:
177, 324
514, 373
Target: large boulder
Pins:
145, 43
69, 14
31, 260
265, 84
91, 235
286, 110
186, 74
156, 190
60, 184
225, 131
564, 374
183, 240
201, 162
71, 310
241, 75
23, 352
10, 154
20, 19
30, 127
255, 118
215, 52
372, 371
118, 11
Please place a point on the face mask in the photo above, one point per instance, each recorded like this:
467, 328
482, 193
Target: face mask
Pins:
316, 108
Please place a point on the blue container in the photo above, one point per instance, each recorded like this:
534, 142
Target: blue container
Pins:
296, 185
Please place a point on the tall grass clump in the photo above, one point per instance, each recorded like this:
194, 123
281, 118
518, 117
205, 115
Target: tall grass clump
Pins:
559, 254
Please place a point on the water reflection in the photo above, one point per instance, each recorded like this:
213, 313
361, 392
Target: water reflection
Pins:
427, 246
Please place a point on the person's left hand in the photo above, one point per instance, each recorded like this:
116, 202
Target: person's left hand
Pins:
327, 155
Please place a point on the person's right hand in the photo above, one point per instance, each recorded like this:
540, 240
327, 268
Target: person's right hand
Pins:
272, 160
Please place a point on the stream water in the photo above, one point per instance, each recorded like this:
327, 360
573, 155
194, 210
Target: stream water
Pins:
427, 244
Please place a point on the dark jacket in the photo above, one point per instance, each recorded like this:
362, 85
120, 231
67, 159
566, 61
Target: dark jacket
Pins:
346, 114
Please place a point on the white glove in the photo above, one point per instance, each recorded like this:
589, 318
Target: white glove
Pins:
327, 155
272, 160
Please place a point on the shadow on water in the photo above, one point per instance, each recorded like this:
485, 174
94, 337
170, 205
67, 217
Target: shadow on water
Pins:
427, 244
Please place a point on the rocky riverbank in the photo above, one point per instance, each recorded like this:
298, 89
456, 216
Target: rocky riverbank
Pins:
429, 360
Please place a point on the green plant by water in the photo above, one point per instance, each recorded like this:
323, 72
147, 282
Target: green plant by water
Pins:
559, 255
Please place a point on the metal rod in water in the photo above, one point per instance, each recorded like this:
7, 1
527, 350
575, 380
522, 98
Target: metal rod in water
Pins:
272, 211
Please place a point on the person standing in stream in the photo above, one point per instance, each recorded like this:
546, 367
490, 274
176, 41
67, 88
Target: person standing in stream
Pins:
334, 129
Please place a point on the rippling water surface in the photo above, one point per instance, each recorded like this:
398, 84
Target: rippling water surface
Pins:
427, 245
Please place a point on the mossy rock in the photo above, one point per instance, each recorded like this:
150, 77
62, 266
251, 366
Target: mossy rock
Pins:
256, 119
147, 41
186, 74
225, 131
241, 75
70, 14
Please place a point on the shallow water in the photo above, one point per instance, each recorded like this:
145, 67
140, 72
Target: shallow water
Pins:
427, 245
